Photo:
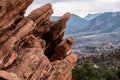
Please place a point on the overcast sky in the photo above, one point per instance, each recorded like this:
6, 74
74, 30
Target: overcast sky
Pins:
79, 7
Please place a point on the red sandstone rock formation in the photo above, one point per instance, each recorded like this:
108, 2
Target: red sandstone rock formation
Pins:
32, 47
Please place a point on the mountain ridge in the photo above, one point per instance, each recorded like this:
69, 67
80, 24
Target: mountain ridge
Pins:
104, 23
73, 23
91, 16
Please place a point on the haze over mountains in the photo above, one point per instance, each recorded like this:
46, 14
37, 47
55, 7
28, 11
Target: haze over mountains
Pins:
96, 33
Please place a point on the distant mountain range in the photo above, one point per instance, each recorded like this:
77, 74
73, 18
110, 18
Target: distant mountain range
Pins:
73, 23
100, 23
104, 23
95, 33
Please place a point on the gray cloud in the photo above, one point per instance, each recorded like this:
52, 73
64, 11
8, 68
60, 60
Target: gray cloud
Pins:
49, 1
54, 1
79, 7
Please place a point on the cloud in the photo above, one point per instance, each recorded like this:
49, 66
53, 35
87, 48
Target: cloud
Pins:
54, 1
79, 7
83, 8
110, 1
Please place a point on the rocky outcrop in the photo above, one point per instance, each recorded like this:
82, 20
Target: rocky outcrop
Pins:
32, 47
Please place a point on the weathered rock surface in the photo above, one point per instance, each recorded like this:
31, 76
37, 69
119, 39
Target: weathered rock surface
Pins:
32, 47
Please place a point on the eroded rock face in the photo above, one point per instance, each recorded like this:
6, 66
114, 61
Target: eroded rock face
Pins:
32, 47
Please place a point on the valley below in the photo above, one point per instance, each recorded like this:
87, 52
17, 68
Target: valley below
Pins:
97, 34
96, 43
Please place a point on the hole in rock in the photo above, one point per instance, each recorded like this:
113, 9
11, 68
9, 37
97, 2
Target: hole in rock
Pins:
18, 20
0, 8
49, 52
51, 46
2, 78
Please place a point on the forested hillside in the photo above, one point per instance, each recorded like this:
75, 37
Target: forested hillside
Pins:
98, 67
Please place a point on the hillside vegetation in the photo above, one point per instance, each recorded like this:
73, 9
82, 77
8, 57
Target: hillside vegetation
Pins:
98, 67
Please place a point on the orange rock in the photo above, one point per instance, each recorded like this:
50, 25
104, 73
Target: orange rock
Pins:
32, 47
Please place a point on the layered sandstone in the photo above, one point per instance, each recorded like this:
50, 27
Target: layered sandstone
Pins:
32, 47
